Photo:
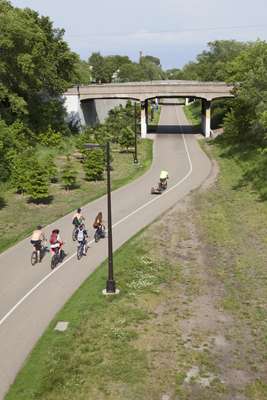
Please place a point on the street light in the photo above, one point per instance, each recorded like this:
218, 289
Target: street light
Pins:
111, 284
135, 136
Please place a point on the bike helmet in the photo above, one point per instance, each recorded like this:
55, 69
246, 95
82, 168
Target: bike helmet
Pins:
79, 210
39, 227
55, 231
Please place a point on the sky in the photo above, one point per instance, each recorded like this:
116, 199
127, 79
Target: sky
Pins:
173, 30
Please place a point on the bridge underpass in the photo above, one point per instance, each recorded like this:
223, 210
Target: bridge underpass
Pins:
143, 92
167, 125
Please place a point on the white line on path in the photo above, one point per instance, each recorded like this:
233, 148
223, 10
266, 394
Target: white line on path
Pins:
114, 225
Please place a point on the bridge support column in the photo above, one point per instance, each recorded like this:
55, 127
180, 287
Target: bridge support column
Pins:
205, 117
187, 101
143, 120
72, 104
80, 110
146, 109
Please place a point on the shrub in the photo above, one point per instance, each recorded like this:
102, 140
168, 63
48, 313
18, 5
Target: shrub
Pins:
37, 182
94, 165
51, 168
69, 174
126, 138
50, 138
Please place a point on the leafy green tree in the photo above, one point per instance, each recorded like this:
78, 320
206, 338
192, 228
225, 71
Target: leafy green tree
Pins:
151, 59
21, 168
151, 67
94, 165
211, 64
103, 68
50, 138
51, 168
126, 139
15, 139
132, 72
103, 134
36, 65
83, 73
86, 136
69, 174
97, 62
121, 117
174, 74
247, 119
37, 185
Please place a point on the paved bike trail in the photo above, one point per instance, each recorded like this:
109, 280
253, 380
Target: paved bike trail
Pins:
31, 296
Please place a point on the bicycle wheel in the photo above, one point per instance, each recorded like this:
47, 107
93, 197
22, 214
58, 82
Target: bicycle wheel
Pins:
74, 234
54, 261
85, 248
34, 257
79, 251
96, 236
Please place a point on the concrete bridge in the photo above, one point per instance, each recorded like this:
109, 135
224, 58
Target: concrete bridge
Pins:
144, 91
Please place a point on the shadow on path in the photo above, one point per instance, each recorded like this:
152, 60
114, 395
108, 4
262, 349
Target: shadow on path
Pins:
174, 129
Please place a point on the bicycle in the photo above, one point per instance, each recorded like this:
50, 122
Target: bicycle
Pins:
81, 249
34, 255
99, 233
74, 233
57, 257
76, 227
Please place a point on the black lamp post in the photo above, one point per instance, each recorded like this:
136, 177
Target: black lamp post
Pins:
111, 285
135, 136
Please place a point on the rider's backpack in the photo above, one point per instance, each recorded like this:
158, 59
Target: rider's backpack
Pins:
80, 236
53, 238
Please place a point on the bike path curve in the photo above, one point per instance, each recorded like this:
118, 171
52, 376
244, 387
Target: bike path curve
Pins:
31, 296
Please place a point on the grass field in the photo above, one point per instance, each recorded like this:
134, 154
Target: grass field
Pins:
190, 320
18, 217
192, 112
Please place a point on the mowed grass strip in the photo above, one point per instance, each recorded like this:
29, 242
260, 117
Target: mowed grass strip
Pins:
18, 217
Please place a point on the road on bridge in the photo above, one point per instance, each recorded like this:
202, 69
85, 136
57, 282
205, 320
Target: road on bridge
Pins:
31, 296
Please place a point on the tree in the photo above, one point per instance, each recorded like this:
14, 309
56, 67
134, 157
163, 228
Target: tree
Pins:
97, 62
51, 168
248, 116
15, 139
211, 64
151, 59
103, 68
131, 72
126, 139
175, 74
50, 138
69, 174
94, 165
21, 167
37, 185
83, 73
152, 70
36, 66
